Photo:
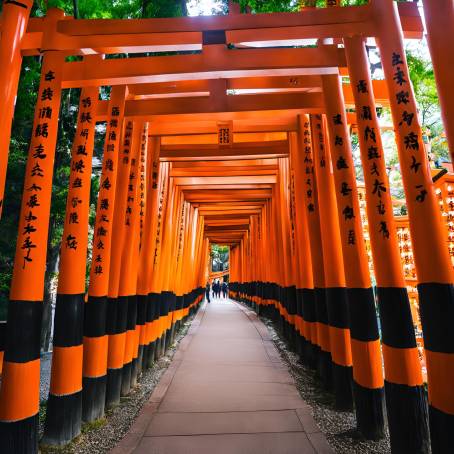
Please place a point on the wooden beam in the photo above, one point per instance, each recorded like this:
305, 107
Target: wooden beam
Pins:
204, 126
211, 187
235, 195
213, 63
213, 138
225, 180
257, 163
239, 151
167, 34
303, 102
188, 86
321, 17
215, 172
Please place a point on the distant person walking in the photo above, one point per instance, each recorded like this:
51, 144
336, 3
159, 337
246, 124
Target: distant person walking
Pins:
215, 289
207, 291
220, 288
225, 289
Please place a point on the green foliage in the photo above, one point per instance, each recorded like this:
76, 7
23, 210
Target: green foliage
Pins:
120, 9
423, 79
219, 257
270, 6
23, 122
217, 249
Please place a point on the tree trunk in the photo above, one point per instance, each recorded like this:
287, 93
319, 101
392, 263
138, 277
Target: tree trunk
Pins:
76, 9
184, 8
51, 268
145, 4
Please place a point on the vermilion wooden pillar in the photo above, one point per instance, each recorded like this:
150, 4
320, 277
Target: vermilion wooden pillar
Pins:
305, 289
439, 18
14, 23
156, 278
286, 223
117, 305
308, 143
129, 261
146, 257
403, 385
167, 295
64, 406
433, 264
281, 269
159, 185
185, 228
336, 293
95, 338
133, 325
139, 329
19, 394
176, 259
367, 369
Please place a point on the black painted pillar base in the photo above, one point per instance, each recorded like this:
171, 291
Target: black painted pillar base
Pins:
140, 360
173, 331
342, 385
311, 354
294, 338
441, 431
63, 422
407, 412
158, 348
301, 346
282, 327
126, 379
145, 354
134, 372
325, 370
19, 437
162, 341
151, 354
370, 418
93, 398
168, 340
113, 388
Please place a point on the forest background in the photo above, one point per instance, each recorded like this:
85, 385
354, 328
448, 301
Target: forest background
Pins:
420, 71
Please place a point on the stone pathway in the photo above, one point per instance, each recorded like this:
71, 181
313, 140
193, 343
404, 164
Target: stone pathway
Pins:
226, 392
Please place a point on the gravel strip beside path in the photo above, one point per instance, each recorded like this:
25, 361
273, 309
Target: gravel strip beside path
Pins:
44, 384
339, 427
101, 436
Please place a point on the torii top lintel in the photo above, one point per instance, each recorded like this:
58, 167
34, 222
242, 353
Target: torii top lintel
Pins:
210, 34
184, 33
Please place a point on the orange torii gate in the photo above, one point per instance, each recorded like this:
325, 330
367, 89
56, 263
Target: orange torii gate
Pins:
245, 145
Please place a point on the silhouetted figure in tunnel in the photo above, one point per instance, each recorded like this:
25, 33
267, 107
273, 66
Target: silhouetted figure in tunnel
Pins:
207, 291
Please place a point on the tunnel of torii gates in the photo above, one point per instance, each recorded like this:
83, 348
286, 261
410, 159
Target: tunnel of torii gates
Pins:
239, 136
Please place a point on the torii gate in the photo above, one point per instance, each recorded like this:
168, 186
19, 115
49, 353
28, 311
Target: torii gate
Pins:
284, 198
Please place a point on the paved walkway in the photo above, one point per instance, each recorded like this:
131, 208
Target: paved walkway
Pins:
226, 392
